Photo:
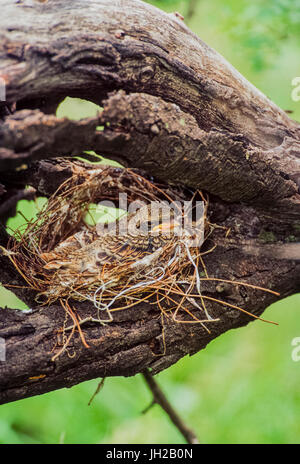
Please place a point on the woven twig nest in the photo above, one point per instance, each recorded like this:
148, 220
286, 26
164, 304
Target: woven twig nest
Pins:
63, 258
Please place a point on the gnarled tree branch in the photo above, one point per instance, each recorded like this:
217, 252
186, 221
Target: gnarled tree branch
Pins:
183, 115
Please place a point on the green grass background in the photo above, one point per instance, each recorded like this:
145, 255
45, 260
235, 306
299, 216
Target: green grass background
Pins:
243, 388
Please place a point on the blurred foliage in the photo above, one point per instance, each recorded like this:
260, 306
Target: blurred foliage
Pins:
243, 388
263, 27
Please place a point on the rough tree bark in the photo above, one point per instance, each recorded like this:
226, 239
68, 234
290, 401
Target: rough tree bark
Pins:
172, 107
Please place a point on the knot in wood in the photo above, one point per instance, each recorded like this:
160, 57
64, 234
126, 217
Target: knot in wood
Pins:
146, 73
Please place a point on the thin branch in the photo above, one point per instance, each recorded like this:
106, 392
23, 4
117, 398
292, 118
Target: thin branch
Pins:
99, 387
160, 398
191, 10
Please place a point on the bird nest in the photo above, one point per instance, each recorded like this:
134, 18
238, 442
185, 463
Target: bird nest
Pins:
120, 264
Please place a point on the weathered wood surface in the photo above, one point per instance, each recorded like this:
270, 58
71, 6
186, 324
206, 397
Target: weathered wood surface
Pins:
178, 111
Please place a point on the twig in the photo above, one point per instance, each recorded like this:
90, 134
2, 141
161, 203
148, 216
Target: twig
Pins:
190, 11
160, 398
147, 408
99, 387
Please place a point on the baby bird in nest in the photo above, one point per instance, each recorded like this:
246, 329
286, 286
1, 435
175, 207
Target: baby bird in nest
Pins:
120, 245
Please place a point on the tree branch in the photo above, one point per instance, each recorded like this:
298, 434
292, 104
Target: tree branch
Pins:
187, 118
137, 337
